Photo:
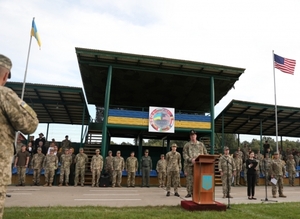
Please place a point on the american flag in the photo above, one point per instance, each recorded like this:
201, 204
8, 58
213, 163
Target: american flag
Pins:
285, 65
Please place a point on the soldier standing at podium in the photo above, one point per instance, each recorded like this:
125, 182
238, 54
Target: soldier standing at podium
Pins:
191, 151
227, 169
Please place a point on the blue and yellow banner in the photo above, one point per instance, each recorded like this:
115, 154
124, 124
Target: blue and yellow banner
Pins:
35, 33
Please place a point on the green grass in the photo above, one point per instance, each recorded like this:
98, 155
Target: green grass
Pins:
244, 211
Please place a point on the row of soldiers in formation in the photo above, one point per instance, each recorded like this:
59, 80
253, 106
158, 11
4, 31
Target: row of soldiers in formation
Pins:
230, 168
264, 162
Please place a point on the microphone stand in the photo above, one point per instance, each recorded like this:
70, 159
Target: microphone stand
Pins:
228, 199
266, 186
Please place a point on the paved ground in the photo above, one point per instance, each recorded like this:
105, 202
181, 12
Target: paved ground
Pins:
118, 197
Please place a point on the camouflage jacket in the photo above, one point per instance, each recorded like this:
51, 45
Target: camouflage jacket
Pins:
37, 161
291, 166
81, 160
109, 163
131, 164
65, 161
161, 166
173, 161
50, 162
266, 165
97, 162
118, 163
193, 150
277, 167
15, 115
238, 163
223, 167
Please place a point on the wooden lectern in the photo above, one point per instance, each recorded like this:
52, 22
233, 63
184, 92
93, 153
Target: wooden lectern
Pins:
204, 180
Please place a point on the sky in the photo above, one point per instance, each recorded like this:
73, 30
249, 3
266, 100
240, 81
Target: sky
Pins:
233, 32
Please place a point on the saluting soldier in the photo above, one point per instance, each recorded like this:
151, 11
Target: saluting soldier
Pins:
118, 167
15, 115
131, 168
173, 159
161, 169
227, 170
65, 165
96, 168
50, 165
81, 159
37, 165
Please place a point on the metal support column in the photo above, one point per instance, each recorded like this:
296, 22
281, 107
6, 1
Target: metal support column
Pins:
168, 144
82, 125
261, 140
212, 115
106, 108
223, 136
140, 150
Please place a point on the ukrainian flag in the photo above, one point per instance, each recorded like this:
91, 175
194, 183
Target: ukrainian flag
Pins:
35, 33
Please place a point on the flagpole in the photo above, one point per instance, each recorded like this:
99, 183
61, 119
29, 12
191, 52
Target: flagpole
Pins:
24, 82
276, 120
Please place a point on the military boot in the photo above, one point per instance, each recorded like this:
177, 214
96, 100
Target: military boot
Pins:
282, 195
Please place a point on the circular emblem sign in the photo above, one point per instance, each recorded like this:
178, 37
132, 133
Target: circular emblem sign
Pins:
161, 119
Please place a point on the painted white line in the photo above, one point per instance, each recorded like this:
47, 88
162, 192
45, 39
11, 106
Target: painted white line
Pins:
111, 194
12, 194
23, 189
82, 199
113, 190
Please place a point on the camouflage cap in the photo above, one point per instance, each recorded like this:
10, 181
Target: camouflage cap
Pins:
226, 148
193, 132
23, 145
276, 153
109, 151
5, 62
146, 151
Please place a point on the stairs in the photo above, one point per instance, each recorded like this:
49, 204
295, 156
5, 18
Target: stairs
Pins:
218, 181
93, 142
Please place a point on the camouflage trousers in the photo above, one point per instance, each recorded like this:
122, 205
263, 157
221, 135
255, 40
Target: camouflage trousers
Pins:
130, 178
81, 172
237, 177
117, 174
95, 177
161, 178
22, 174
2, 200
64, 175
226, 183
291, 177
279, 184
36, 175
145, 176
189, 179
173, 177
257, 176
49, 175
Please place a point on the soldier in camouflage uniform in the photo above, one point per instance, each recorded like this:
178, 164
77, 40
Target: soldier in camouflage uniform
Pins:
118, 166
239, 166
65, 144
146, 166
15, 115
265, 167
227, 170
259, 158
240, 153
65, 164
245, 173
37, 165
50, 165
108, 165
173, 159
191, 151
245, 151
291, 169
277, 171
81, 159
131, 168
21, 162
161, 169
96, 168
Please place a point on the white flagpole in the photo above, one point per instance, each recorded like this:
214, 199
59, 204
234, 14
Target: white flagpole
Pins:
24, 82
276, 121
